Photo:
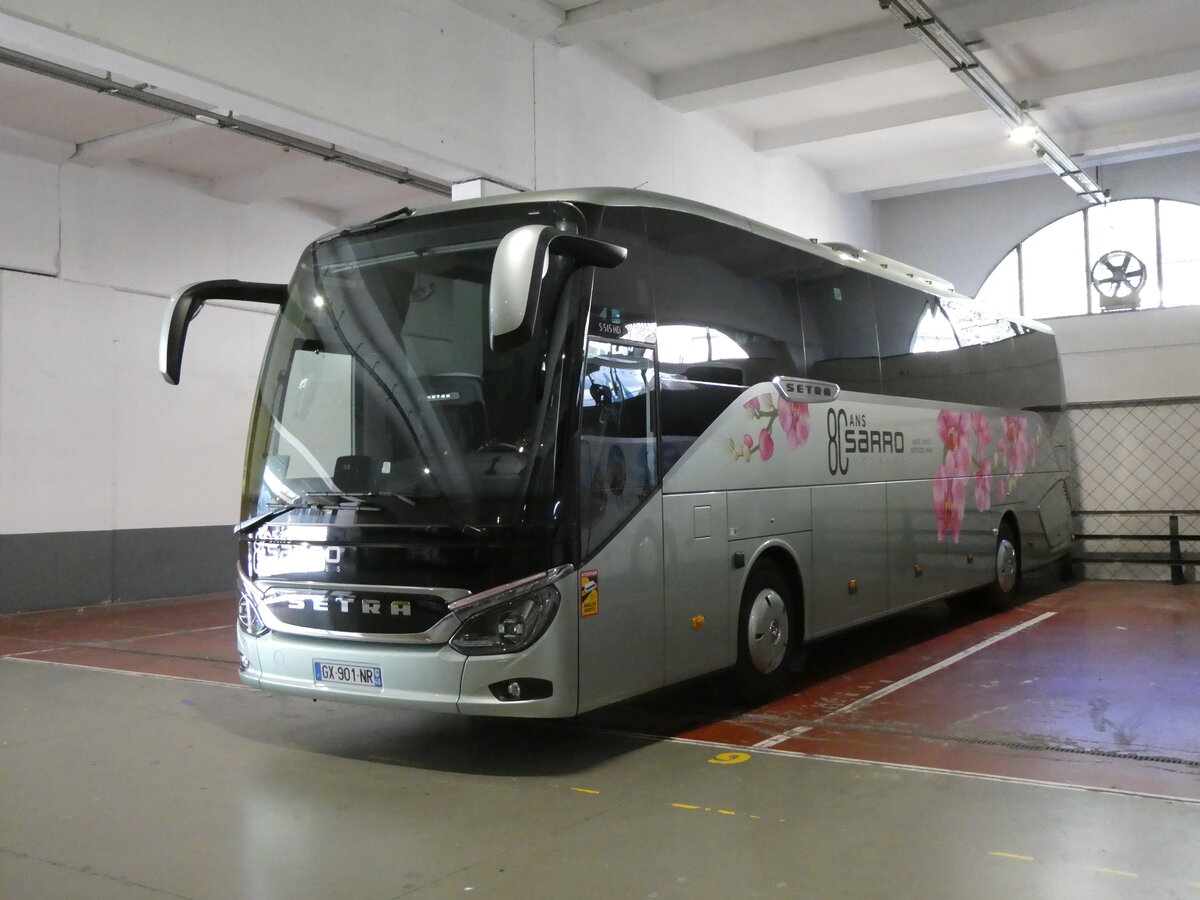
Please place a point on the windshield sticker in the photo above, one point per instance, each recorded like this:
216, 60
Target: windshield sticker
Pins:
589, 592
607, 322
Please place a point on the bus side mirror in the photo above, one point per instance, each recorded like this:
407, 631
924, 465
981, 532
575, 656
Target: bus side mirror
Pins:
522, 261
186, 305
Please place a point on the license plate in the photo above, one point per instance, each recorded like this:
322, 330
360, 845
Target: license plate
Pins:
347, 673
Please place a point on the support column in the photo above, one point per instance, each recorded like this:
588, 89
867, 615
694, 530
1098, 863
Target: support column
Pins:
478, 188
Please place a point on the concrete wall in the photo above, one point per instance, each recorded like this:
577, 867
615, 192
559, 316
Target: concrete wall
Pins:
117, 486
1151, 354
963, 233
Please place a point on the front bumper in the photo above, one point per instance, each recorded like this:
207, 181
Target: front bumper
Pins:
423, 678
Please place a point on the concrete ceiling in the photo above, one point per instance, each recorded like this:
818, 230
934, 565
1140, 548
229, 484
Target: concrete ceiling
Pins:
57, 121
844, 86
841, 85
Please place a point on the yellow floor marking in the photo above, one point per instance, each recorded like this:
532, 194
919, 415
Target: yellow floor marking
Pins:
1010, 855
730, 758
585, 791
684, 806
726, 812
1117, 872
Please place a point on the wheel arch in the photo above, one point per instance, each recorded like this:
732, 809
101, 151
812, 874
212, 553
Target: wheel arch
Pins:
783, 558
1011, 519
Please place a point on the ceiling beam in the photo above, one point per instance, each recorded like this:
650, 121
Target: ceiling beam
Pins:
860, 51
533, 19
930, 171
279, 182
592, 23
787, 138
134, 143
998, 160
34, 146
1126, 77
606, 19
787, 67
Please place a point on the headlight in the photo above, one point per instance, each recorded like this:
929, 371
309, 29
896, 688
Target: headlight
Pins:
248, 618
508, 622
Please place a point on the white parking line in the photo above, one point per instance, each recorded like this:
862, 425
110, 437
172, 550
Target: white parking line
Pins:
903, 682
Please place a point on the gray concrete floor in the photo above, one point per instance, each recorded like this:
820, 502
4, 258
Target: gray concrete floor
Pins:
115, 785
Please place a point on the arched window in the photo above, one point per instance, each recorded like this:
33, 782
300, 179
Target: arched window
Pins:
1128, 254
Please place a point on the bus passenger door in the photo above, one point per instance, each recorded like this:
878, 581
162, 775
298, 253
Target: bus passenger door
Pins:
696, 573
621, 578
850, 548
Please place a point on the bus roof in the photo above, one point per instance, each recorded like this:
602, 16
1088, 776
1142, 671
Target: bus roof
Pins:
872, 263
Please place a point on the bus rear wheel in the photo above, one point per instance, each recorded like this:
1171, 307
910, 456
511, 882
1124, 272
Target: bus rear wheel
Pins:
1006, 582
767, 628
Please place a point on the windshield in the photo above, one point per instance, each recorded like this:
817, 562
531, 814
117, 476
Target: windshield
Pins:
380, 393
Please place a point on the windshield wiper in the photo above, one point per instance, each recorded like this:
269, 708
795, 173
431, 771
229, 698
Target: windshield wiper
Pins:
357, 499
255, 522
383, 498
386, 219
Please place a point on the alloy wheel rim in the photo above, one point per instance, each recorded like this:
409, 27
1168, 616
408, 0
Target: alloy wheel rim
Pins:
1006, 565
767, 631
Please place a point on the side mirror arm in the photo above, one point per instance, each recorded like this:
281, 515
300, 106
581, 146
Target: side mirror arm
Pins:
186, 305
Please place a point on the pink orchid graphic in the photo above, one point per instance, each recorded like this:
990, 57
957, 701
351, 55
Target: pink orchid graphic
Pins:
792, 416
949, 502
766, 446
794, 419
955, 430
983, 485
1015, 444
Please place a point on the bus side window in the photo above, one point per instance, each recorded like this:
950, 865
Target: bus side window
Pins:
841, 342
916, 341
1037, 374
725, 301
985, 366
625, 292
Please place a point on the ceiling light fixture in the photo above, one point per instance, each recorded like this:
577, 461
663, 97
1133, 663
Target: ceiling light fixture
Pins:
1024, 134
930, 31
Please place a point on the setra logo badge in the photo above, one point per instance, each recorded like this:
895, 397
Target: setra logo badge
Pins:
346, 603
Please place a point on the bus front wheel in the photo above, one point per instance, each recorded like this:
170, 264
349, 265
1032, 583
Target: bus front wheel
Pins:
766, 630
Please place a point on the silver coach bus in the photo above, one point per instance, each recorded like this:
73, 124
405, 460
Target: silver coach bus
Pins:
531, 455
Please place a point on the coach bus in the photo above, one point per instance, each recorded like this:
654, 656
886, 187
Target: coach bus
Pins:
530, 455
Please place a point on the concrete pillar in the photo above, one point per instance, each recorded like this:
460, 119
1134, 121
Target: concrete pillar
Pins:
479, 187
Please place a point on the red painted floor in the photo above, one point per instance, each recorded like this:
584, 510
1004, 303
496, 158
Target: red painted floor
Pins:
1104, 692
190, 637
1096, 685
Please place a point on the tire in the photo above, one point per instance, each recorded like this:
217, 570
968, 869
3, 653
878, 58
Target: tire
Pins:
1006, 577
768, 629
1066, 568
